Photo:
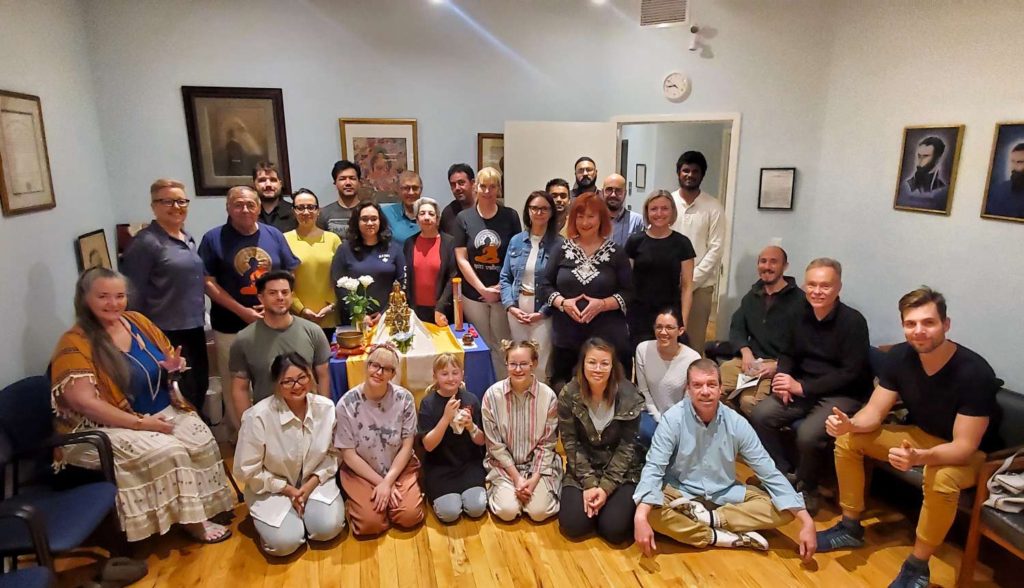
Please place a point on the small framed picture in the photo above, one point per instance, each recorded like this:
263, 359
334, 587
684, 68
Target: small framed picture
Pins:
928, 163
383, 148
1004, 191
775, 191
91, 250
490, 151
25, 181
230, 130
641, 176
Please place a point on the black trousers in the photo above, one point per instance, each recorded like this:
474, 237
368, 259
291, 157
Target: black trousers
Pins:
613, 523
195, 381
812, 441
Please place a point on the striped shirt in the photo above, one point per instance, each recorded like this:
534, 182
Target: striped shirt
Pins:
521, 430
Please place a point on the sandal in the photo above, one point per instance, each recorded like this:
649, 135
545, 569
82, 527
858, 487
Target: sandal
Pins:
204, 535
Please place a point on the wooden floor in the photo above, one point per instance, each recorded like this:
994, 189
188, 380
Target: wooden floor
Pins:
490, 553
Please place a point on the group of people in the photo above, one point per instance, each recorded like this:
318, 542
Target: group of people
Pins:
586, 312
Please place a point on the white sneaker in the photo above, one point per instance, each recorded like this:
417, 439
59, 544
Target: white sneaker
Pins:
695, 511
751, 539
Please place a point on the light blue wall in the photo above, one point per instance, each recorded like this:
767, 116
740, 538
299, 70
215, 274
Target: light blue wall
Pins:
43, 53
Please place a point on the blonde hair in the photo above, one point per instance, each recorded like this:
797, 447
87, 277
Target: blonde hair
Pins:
507, 347
446, 360
162, 184
376, 351
671, 202
489, 174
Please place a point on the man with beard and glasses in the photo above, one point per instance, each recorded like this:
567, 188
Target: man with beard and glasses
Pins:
274, 211
278, 332
1007, 197
625, 222
949, 392
702, 219
462, 182
586, 176
762, 327
925, 188
558, 189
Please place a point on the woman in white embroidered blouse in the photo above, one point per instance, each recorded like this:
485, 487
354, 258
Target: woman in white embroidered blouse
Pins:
285, 457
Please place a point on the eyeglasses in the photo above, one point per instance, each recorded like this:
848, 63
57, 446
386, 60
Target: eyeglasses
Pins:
539, 209
294, 382
245, 205
306, 207
177, 202
615, 191
522, 365
374, 367
601, 366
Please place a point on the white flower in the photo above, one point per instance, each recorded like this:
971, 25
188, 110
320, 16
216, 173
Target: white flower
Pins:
365, 281
403, 337
347, 283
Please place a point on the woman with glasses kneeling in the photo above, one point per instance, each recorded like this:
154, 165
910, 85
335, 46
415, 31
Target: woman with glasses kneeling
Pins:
599, 420
375, 433
520, 423
450, 430
284, 457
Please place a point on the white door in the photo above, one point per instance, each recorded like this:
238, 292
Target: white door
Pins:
536, 152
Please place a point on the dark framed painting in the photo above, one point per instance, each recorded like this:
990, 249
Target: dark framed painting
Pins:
928, 163
641, 176
26, 184
1004, 189
776, 188
230, 130
490, 151
91, 250
383, 148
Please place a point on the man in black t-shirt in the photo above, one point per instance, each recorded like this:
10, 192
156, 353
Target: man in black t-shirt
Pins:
462, 182
949, 392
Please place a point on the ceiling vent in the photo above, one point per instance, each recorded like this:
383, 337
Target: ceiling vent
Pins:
663, 12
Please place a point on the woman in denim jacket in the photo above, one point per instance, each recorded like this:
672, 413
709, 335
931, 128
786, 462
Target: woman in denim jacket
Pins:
529, 316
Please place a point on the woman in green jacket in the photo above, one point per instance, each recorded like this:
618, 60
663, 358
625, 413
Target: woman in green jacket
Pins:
599, 421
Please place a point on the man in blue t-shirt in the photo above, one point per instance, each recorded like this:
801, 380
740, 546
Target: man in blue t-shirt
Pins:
234, 256
401, 215
949, 392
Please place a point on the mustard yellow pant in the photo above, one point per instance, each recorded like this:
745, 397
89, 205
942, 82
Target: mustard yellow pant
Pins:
749, 397
942, 484
756, 512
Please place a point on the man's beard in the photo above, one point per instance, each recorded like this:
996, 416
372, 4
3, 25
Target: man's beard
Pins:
272, 198
585, 182
923, 178
613, 207
1017, 182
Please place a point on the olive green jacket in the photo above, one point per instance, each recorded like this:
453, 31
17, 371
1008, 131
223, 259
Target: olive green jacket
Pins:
610, 459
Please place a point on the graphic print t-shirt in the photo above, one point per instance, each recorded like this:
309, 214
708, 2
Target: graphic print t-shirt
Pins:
486, 241
236, 261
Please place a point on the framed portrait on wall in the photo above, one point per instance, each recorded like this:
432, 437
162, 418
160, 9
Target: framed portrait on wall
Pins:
928, 162
25, 181
490, 151
382, 148
1004, 190
91, 250
641, 176
230, 130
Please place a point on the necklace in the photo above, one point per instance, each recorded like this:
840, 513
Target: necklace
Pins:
154, 389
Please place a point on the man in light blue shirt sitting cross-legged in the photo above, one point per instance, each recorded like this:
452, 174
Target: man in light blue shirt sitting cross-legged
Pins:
688, 489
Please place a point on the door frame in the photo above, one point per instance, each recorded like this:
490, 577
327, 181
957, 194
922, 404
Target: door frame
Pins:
733, 118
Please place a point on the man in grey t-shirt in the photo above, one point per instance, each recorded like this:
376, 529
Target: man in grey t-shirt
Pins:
335, 216
277, 332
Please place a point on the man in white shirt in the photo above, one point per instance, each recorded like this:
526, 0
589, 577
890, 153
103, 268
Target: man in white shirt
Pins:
702, 220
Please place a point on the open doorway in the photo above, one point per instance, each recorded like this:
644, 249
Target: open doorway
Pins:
648, 164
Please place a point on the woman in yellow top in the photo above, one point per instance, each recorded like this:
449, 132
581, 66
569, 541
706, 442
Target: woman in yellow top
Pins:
314, 297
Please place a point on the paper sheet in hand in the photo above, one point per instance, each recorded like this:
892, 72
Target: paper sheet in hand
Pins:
743, 381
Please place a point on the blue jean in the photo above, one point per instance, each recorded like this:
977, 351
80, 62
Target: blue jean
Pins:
450, 507
647, 426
